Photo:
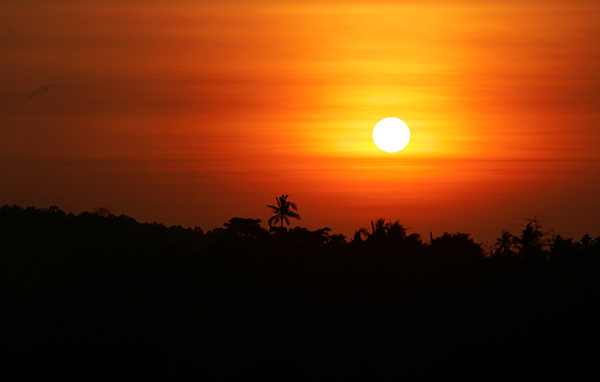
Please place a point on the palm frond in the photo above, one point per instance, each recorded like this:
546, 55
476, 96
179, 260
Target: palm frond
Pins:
283, 210
379, 227
281, 200
273, 220
358, 235
414, 236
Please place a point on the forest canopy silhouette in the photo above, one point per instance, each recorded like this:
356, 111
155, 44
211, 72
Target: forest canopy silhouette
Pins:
98, 295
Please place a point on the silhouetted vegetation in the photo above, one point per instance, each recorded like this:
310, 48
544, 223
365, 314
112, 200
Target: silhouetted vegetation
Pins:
284, 210
103, 297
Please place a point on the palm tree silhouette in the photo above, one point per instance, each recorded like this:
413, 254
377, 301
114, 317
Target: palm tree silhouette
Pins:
283, 211
380, 230
362, 232
505, 244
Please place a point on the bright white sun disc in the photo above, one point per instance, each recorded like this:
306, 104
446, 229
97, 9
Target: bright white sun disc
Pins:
391, 134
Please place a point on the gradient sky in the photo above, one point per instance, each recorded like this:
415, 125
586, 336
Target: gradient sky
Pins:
194, 112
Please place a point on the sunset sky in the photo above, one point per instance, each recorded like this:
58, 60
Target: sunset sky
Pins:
193, 112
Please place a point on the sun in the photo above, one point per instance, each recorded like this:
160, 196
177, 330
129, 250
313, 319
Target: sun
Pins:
391, 134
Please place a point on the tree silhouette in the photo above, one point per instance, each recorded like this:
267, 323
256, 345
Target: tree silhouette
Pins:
455, 246
380, 230
358, 235
505, 244
531, 243
244, 228
397, 231
283, 211
586, 241
102, 211
389, 236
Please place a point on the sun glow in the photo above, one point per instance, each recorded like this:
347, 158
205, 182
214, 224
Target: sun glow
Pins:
391, 134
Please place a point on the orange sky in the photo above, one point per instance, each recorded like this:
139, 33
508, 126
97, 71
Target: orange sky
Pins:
194, 112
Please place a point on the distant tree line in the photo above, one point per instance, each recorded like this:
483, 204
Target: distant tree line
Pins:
156, 238
100, 296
